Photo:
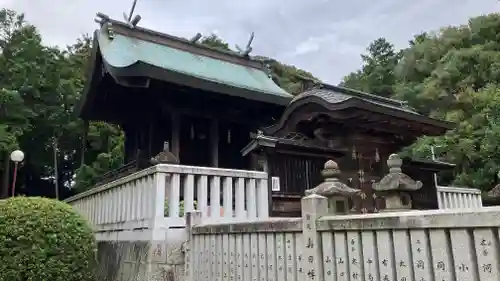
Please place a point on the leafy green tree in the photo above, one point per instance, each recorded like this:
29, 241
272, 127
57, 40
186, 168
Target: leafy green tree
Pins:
39, 87
215, 42
20, 46
377, 73
451, 74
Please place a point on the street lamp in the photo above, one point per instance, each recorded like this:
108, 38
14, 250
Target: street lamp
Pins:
16, 156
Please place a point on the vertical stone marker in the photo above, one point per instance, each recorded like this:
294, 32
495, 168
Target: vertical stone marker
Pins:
191, 257
313, 207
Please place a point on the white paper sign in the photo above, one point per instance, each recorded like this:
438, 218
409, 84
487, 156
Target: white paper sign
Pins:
275, 184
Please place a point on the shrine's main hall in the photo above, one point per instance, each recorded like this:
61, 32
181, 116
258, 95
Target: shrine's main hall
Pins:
222, 109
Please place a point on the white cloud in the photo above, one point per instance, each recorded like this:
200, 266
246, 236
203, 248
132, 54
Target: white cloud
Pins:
312, 44
321, 36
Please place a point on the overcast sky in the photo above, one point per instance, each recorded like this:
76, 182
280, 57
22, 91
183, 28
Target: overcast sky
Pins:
325, 37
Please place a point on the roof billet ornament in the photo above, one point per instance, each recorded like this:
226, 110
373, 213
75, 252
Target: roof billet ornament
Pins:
195, 38
105, 23
248, 49
132, 21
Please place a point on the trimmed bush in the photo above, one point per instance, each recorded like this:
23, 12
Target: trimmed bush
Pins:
44, 240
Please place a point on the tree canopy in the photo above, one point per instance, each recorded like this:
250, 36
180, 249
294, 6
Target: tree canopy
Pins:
39, 88
451, 74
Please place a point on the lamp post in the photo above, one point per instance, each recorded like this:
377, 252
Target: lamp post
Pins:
16, 156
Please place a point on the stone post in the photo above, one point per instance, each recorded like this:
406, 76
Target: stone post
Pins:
192, 218
337, 193
396, 186
313, 207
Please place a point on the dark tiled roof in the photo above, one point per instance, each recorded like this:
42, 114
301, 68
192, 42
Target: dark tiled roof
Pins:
335, 94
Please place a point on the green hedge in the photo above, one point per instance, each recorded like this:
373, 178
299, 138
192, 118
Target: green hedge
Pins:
44, 240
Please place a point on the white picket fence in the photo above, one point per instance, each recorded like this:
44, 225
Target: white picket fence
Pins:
405, 246
137, 201
450, 197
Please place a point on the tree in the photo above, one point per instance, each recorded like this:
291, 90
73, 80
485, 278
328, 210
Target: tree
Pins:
20, 46
452, 74
377, 73
40, 86
215, 42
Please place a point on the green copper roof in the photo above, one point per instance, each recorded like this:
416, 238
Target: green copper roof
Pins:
122, 51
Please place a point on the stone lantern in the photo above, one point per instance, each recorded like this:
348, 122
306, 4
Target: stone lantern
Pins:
165, 156
492, 197
396, 186
337, 193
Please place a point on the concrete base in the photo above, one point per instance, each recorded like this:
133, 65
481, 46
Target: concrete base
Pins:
161, 260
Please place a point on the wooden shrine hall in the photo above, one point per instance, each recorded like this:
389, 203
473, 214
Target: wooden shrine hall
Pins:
358, 130
159, 88
222, 109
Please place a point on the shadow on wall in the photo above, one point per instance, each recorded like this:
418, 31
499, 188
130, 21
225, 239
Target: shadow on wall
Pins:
121, 260
133, 261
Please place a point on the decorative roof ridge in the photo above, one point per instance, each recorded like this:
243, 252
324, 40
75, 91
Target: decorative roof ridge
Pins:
361, 94
423, 161
243, 57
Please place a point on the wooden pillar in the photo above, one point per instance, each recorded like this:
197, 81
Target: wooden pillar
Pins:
214, 142
84, 141
130, 144
175, 127
150, 138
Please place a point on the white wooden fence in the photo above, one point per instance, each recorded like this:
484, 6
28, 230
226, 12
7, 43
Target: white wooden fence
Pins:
450, 197
138, 201
434, 245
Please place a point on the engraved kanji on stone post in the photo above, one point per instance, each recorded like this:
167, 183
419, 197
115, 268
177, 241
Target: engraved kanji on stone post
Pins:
314, 206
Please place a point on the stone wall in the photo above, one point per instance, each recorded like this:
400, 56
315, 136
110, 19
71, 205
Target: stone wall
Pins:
429, 245
159, 260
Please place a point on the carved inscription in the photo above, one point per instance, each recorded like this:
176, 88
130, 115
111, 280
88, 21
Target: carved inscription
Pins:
328, 261
262, 262
419, 263
308, 224
309, 244
158, 251
290, 262
311, 250
188, 261
299, 259
441, 265
353, 244
486, 250
212, 260
341, 266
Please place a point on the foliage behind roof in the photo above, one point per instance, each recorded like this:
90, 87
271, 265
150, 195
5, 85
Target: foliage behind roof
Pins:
135, 51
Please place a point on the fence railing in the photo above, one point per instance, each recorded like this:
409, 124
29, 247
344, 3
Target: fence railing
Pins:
450, 197
415, 245
140, 199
